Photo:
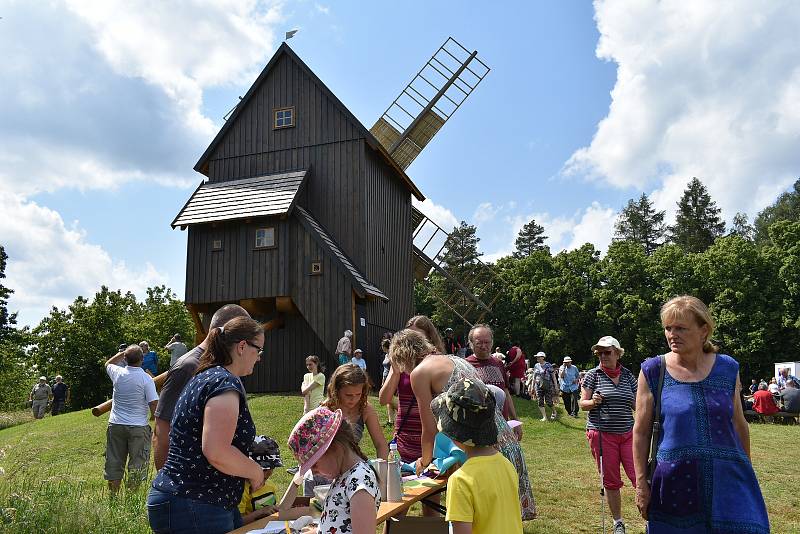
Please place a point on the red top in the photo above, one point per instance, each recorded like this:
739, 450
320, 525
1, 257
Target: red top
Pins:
764, 403
517, 369
491, 371
408, 422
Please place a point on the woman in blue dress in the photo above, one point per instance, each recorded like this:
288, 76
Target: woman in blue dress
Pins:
703, 481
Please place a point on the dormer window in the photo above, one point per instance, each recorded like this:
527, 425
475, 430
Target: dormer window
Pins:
284, 118
265, 237
216, 244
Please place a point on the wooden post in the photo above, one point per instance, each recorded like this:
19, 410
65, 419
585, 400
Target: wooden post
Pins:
199, 332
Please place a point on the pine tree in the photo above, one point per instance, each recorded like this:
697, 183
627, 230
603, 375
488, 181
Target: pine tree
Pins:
530, 239
698, 222
461, 249
742, 227
641, 223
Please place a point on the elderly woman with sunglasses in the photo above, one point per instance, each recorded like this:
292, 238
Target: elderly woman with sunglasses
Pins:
201, 483
609, 395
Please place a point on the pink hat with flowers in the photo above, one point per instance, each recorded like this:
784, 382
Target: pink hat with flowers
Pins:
313, 434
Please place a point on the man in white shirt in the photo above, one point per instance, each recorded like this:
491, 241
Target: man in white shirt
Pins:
177, 348
128, 436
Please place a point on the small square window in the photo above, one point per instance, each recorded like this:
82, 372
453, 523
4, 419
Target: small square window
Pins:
216, 244
316, 267
284, 118
265, 237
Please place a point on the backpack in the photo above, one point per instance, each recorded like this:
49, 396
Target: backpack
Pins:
544, 378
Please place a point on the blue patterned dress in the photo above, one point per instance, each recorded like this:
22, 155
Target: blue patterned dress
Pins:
704, 482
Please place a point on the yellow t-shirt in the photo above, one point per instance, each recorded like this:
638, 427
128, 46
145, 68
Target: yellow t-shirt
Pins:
316, 395
484, 492
264, 496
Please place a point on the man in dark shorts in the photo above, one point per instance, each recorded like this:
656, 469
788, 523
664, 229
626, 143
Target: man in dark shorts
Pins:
60, 396
177, 377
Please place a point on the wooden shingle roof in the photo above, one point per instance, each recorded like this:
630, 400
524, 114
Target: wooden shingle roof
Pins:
262, 196
360, 282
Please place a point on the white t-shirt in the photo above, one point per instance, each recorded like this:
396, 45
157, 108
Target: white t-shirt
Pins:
773, 388
133, 391
336, 516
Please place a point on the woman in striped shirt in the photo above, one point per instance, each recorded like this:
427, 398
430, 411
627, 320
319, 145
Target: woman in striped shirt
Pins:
609, 395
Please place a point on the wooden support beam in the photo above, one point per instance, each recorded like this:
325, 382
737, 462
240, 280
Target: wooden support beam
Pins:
199, 332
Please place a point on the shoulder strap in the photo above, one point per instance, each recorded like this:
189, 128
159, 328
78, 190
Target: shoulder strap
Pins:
662, 364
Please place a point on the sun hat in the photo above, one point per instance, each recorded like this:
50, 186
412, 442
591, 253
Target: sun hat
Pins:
358, 351
608, 341
466, 413
312, 435
567, 359
43, 378
541, 354
266, 453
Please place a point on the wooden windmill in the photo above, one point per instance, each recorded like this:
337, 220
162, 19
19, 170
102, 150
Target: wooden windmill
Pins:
421, 109
306, 217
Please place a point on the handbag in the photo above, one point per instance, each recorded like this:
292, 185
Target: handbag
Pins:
656, 431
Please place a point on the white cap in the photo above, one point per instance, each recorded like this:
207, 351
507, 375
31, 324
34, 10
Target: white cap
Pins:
358, 351
541, 354
608, 341
43, 378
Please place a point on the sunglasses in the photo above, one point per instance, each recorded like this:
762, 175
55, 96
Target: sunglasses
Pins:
259, 349
603, 352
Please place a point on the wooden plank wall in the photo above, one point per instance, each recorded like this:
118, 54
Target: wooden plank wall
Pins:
283, 365
323, 139
239, 270
388, 250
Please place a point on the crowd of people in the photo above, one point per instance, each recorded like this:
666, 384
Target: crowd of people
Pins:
677, 432
780, 395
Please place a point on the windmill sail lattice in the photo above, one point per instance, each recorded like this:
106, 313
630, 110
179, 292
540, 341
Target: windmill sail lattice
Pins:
404, 130
469, 295
428, 101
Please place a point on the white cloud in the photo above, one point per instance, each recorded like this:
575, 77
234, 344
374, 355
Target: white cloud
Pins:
706, 89
438, 214
97, 94
222, 42
485, 212
325, 10
50, 264
596, 226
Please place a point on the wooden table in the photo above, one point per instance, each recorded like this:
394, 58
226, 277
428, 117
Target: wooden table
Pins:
386, 511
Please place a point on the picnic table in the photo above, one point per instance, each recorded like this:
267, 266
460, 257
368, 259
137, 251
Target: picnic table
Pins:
416, 490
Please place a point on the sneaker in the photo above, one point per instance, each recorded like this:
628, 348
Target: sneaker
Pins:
543, 419
619, 528
293, 470
553, 416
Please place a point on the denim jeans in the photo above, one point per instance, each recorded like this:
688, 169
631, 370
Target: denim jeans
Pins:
170, 514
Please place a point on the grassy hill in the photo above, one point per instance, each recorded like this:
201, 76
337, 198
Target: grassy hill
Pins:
52, 473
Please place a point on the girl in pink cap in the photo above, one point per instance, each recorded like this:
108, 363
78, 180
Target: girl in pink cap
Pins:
324, 442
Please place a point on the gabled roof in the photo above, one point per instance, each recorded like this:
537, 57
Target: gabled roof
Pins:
360, 283
273, 194
202, 164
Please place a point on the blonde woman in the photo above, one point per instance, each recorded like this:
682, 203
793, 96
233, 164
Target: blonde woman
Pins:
703, 480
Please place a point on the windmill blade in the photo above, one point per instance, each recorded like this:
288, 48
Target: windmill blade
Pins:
428, 101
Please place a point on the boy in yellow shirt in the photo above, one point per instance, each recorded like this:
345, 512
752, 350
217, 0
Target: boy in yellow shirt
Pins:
482, 495
262, 502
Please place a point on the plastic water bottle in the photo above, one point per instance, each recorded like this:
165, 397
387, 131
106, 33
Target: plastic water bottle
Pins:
394, 478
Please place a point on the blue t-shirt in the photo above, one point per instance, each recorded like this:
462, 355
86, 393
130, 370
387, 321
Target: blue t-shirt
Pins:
150, 362
186, 472
570, 374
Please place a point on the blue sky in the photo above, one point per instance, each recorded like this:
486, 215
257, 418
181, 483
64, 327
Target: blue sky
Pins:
107, 106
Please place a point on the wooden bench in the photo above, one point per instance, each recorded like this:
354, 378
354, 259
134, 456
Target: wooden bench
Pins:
781, 417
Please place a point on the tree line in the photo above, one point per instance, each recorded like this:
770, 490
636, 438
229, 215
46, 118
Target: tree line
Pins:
75, 342
562, 303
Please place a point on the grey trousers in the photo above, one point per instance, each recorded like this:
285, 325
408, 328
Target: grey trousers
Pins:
39, 407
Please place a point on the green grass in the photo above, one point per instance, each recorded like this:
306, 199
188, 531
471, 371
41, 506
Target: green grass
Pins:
52, 478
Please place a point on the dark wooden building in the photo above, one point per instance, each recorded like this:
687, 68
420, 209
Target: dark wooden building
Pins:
304, 220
